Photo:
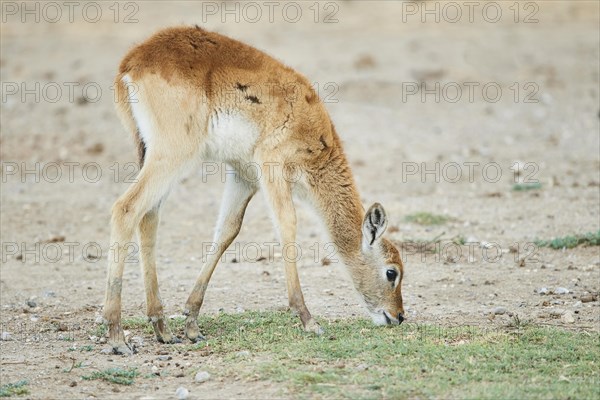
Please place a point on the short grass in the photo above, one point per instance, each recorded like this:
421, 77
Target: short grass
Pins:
426, 218
524, 187
14, 389
356, 359
571, 241
429, 246
114, 375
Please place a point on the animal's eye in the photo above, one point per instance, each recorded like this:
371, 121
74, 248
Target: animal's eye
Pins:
391, 275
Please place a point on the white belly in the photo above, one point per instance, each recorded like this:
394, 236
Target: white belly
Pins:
231, 138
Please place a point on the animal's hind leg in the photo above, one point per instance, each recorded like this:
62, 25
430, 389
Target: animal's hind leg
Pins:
154, 308
154, 182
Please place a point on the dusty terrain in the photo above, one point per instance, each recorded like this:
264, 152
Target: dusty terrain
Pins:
365, 66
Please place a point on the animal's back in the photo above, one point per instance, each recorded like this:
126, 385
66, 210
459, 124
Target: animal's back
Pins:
219, 85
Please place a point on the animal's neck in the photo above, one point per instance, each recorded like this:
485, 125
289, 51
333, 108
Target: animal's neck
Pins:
339, 203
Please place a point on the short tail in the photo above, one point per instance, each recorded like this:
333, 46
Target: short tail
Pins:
126, 115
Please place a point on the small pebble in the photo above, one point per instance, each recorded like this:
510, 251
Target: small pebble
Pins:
242, 354
73, 384
31, 303
543, 291
362, 367
588, 298
155, 370
202, 376
182, 393
164, 358
500, 311
568, 317
561, 290
5, 336
557, 312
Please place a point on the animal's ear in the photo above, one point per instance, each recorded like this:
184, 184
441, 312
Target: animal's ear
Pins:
374, 225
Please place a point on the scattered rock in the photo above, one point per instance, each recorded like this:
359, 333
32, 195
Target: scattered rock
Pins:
137, 341
202, 376
557, 312
55, 239
560, 290
97, 148
179, 374
242, 354
155, 370
365, 61
50, 293
568, 317
500, 311
5, 336
543, 291
588, 298
164, 358
182, 393
577, 304
31, 302
362, 367
73, 384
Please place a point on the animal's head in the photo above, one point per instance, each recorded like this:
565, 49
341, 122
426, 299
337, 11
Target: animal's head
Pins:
378, 278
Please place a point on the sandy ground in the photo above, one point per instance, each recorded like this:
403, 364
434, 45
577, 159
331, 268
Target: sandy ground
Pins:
365, 65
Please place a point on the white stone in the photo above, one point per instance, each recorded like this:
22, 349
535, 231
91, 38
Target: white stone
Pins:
182, 393
202, 376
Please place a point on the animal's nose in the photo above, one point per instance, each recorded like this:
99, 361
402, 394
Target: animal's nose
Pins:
400, 318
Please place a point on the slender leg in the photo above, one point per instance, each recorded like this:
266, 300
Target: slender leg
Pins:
154, 307
152, 185
279, 196
235, 199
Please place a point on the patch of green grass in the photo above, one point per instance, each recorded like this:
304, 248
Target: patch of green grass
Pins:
569, 242
425, 218
115, 375
99, 331
356, 359
523, 187
14, 389
430, 246
137, 323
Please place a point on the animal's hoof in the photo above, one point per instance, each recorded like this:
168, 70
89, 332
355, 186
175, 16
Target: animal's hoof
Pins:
314, 327
197, 339
172, 339
192, 332
122, 348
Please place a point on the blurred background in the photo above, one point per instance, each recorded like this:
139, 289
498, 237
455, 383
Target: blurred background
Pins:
471, 122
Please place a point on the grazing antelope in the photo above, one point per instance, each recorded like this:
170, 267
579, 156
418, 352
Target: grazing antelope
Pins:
189, 95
